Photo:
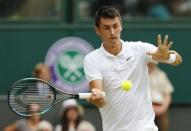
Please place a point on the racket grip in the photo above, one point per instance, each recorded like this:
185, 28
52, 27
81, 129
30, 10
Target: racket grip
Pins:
84, 95
88, 95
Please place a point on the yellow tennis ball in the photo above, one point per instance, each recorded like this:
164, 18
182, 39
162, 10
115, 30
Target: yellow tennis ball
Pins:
126, 85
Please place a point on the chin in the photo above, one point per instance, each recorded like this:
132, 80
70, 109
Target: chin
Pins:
114, 41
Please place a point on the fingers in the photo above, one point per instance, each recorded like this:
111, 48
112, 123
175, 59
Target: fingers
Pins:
97, 98
170, 45
159, 40
96, 94
165, 40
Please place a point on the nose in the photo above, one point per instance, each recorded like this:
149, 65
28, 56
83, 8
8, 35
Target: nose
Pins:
112, 31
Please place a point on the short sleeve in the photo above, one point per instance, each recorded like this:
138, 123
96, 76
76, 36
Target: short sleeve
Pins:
91, 69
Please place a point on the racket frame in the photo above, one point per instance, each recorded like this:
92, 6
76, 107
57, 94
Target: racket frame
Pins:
55, 101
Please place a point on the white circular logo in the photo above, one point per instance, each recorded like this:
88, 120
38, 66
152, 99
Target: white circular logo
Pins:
65, 59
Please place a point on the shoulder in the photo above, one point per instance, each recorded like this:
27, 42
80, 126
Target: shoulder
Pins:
20, 122
139, 47
85, 125
58, 127
136, 44
44, 124
93, 56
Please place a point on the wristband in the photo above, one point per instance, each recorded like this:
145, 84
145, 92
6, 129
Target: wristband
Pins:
171, 59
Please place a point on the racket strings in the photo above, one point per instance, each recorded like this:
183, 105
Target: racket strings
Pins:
31, 97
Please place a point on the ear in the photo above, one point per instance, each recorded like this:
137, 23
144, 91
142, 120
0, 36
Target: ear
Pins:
121, 27
97, 30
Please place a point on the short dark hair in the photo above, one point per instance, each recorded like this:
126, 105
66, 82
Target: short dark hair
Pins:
106, 12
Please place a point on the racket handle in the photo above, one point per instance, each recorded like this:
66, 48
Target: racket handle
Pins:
88, 95
84, 95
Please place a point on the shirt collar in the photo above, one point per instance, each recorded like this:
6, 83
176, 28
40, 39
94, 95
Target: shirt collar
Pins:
121, 53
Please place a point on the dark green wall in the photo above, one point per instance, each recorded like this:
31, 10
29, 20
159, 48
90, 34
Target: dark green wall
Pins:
22, 45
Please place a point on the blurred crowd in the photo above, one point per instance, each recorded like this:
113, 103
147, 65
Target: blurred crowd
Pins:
129, 9
161, 90
162, 9
71, 114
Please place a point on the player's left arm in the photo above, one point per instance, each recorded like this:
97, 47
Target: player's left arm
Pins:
163, 53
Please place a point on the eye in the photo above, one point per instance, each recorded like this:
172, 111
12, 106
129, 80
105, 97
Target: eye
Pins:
115, 26
106, 28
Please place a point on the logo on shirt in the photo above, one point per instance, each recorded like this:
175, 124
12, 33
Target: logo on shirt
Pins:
128, 58
65, 58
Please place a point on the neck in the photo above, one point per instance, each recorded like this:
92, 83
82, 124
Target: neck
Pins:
33, 122
114, 48
72, 124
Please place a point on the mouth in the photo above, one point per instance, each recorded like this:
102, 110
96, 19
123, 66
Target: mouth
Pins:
113, 38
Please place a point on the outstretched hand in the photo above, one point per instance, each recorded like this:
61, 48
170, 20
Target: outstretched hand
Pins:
163, 53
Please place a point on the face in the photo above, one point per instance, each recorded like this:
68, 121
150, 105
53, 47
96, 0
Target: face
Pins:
72, 114
44, 74
110, 31
33, 109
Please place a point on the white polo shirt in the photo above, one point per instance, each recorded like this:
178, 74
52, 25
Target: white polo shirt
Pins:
124, 111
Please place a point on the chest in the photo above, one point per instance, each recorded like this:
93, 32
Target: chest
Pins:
120, 67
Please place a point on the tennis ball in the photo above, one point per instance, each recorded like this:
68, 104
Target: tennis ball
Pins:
126, 85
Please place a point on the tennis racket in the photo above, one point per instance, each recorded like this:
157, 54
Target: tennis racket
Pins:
33, 96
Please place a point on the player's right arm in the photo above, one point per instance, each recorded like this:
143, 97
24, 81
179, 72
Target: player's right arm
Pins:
93, 74
97, 98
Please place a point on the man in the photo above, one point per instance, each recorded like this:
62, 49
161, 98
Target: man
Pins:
42, 71
116, 61
161, 90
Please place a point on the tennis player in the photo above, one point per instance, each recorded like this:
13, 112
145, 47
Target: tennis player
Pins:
117, 60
